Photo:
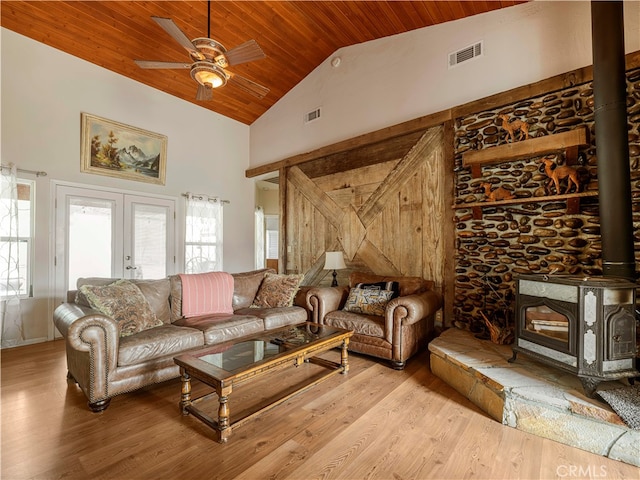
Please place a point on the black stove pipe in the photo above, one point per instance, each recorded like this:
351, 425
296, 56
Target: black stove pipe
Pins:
612, 148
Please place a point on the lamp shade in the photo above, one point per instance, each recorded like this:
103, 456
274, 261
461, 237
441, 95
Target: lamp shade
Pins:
206, 73
334, 261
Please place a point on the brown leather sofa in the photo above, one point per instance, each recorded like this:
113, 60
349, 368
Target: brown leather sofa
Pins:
406, 326
104, 364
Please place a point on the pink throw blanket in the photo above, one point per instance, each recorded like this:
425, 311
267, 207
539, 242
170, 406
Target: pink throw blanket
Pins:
206, 293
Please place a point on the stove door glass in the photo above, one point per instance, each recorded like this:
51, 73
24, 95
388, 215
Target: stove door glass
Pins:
544, 321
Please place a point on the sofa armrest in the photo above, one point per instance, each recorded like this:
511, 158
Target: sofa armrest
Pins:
410, 309
322, 300
92, 340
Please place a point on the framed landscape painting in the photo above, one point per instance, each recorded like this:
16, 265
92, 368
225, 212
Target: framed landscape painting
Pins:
122, 151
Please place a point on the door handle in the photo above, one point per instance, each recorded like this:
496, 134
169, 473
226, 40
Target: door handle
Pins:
129, 267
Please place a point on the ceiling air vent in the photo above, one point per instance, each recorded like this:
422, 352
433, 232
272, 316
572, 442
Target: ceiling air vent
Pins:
312, 116
467, 53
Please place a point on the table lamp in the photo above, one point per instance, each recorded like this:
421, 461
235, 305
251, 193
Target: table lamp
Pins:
334, 261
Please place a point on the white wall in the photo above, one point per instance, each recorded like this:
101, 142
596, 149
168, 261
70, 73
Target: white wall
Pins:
268, 199
391, 80
43, 93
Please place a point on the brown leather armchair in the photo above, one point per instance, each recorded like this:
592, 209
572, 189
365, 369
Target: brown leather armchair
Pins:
405, 328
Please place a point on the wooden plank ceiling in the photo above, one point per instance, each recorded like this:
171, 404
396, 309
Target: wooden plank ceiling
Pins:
295, 35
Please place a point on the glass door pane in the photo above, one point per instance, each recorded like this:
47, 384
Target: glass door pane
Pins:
149, 241
90, 238
148, 249
88, 224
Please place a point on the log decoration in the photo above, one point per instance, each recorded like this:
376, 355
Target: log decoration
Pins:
500, 333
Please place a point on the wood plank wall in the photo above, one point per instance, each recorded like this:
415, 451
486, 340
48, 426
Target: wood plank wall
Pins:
382, 206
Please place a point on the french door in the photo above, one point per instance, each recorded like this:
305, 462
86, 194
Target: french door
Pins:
101, 233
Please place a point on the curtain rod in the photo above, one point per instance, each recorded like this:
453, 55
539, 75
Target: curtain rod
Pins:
37, 173
202, 196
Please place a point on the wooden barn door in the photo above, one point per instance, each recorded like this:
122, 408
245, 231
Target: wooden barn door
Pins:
382, 205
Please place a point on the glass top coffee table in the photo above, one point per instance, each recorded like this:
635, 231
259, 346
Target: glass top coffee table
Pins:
229, 364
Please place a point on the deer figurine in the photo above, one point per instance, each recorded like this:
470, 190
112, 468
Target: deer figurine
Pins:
513, 127
497, 194
559, 173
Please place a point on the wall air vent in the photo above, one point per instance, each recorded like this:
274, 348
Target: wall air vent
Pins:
312, 116
464, 54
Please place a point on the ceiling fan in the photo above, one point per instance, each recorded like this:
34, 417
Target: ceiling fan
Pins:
210, 60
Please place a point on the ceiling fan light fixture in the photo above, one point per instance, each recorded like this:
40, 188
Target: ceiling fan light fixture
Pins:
208, 47
208, 74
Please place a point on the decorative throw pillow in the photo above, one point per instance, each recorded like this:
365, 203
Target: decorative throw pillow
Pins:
368, 301
96, 282
206, 293
277, 290
393, 286
125, 303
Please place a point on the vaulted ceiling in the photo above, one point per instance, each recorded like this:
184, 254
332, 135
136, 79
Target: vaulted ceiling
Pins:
296, 37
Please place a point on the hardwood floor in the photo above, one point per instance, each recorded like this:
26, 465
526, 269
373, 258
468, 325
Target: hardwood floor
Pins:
374, 423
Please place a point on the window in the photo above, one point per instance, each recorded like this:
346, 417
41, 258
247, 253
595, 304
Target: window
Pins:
272, 235
260, 245
203, 235
16, 239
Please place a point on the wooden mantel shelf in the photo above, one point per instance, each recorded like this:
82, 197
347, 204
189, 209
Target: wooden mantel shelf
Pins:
573, 202
516, 201
568, 141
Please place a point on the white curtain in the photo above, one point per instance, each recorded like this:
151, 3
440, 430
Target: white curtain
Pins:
259, 238
12, 332
203, 235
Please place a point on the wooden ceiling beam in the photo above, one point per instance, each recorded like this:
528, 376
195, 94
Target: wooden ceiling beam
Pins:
387, 133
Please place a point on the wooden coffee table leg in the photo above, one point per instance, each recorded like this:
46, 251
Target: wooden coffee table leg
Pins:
223, 413
185, 397
224, 421
344, 356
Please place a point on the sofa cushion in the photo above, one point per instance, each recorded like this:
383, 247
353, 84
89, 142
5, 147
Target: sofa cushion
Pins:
277, 317
246, 286
124, 302
157, 294
369, 325
277, 290
223, 327
175, 300
206, 294
368, 301
157, 342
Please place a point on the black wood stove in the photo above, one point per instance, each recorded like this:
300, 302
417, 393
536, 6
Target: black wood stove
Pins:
584, 325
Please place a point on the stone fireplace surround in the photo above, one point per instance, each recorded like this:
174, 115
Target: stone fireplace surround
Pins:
535, 232
532, 397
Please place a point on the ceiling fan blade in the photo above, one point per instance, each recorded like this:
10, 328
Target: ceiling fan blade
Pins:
247, 52
154, 64
247, 85
172, 29
204, 93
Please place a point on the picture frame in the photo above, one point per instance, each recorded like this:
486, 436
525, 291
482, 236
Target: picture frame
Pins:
121, 151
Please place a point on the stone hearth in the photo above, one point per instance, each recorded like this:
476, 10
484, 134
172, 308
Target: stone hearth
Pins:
532, 397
